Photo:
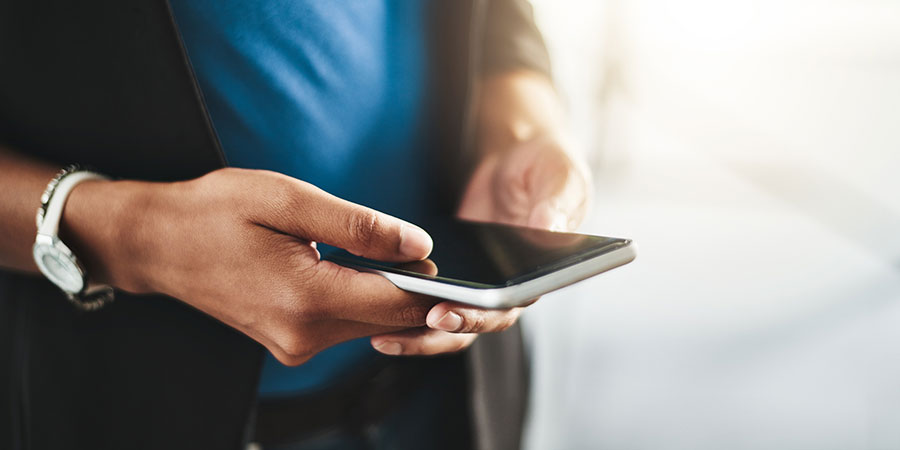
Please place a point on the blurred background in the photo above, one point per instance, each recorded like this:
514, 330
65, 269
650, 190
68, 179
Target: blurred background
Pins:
752, 151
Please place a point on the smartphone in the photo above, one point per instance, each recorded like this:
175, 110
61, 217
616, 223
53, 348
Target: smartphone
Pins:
497, 266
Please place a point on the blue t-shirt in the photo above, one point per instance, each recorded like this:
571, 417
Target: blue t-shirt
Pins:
327, 92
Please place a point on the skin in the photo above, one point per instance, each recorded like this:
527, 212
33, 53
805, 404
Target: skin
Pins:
529, 175
240, 245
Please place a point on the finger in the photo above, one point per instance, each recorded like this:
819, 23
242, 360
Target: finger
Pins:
456, 317
421, 341
560, 196
543, 187
310, 213
344, 293
547, 216
562, 211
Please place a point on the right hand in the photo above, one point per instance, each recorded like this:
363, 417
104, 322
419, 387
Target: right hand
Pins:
239, 245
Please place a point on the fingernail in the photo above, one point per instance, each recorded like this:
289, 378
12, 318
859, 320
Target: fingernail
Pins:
450, 321
390, 348
415, 243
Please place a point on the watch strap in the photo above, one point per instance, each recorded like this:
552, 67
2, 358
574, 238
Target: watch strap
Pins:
54, 199
93, 297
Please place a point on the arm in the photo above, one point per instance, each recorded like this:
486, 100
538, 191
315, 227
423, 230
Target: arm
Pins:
529, 172
23, 182
224, 244
236, 244
511, 40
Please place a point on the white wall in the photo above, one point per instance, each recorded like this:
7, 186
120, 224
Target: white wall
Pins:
751, 150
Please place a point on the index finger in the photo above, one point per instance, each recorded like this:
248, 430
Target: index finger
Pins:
307, 212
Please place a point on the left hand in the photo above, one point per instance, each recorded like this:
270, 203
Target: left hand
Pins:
536, 184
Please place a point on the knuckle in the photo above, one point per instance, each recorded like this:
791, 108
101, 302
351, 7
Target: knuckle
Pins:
319, 291
228, 176
230, 171
412, 315
283, 191
224, 172
363, 226
304, 261
474, 322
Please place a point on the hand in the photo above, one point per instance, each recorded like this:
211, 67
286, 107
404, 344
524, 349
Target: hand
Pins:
534, 184
449, 329
527, 177
239, 245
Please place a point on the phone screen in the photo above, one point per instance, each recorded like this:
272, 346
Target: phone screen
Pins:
487, 255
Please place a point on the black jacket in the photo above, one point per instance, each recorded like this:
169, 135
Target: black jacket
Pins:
107, 83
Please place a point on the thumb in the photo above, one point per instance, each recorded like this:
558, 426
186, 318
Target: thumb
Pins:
546, 215
310, 213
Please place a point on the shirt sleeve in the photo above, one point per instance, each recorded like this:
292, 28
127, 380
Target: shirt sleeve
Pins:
511, 39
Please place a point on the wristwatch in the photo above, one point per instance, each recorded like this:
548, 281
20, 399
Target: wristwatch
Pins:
54, 258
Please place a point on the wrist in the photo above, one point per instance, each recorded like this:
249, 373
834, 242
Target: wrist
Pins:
517, 107
99, 223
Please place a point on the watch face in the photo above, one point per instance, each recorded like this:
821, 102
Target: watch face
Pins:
59, 267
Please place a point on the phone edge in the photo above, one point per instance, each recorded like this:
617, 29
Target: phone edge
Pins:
517, 294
